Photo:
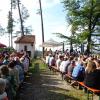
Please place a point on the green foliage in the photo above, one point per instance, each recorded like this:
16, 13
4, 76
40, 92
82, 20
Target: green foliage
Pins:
85, 16
62, 36
14, 4
2, 30
7, 49
10, 23
23, 14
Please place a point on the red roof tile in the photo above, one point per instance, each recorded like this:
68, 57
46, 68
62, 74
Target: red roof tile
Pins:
26, 39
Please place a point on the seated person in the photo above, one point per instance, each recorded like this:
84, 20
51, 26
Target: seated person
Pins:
63, 65
92, 77
70, 68
58, 61
78, 72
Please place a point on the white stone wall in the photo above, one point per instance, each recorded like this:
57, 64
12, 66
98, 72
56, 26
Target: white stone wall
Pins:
31, 48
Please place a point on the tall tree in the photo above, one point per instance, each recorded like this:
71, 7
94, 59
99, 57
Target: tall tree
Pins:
23, 13
11, 22
10, 27
85, 15
42, 25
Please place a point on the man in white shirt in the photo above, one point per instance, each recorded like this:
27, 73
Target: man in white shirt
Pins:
63, 65
58, 61
47, 59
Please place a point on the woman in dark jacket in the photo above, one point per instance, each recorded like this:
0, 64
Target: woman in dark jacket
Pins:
92, 77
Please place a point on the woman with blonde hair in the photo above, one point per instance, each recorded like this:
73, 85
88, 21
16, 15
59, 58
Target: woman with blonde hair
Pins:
92, 76
91, 66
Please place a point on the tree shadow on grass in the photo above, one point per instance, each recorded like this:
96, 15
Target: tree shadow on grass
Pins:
45, 93
35, 68
36, 89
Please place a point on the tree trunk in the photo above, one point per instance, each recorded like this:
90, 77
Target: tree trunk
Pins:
71, 46
89, 44
21, 20
11, 27
90, 29
42, 26
63, 47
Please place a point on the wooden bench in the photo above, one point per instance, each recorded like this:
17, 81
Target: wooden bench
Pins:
68, 78
92, 90
89, 90
54, 68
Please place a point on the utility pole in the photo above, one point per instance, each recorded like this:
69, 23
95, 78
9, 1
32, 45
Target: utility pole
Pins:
42, 27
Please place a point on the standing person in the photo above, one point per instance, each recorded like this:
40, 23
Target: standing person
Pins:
3, 94
19, 66
26, 63
14, 73
9, 87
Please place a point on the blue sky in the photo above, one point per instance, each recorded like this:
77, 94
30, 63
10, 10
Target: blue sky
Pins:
53, 16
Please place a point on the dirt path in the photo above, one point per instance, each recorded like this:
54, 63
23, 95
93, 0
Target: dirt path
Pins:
45, 85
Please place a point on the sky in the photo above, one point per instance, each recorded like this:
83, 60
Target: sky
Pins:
54, 19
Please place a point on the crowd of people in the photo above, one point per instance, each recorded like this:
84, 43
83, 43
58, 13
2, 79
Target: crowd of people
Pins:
13, 68
83, 68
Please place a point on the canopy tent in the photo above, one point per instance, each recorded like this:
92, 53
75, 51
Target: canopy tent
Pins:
2, 45
51, 43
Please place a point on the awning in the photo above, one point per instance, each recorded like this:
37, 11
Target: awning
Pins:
51, 43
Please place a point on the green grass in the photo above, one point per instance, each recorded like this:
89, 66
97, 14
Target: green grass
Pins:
38, 67
37, 62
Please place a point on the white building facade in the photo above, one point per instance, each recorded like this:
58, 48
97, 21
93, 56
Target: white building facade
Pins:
26, 43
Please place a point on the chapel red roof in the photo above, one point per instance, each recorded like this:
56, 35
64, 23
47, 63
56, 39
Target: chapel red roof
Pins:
26, 39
